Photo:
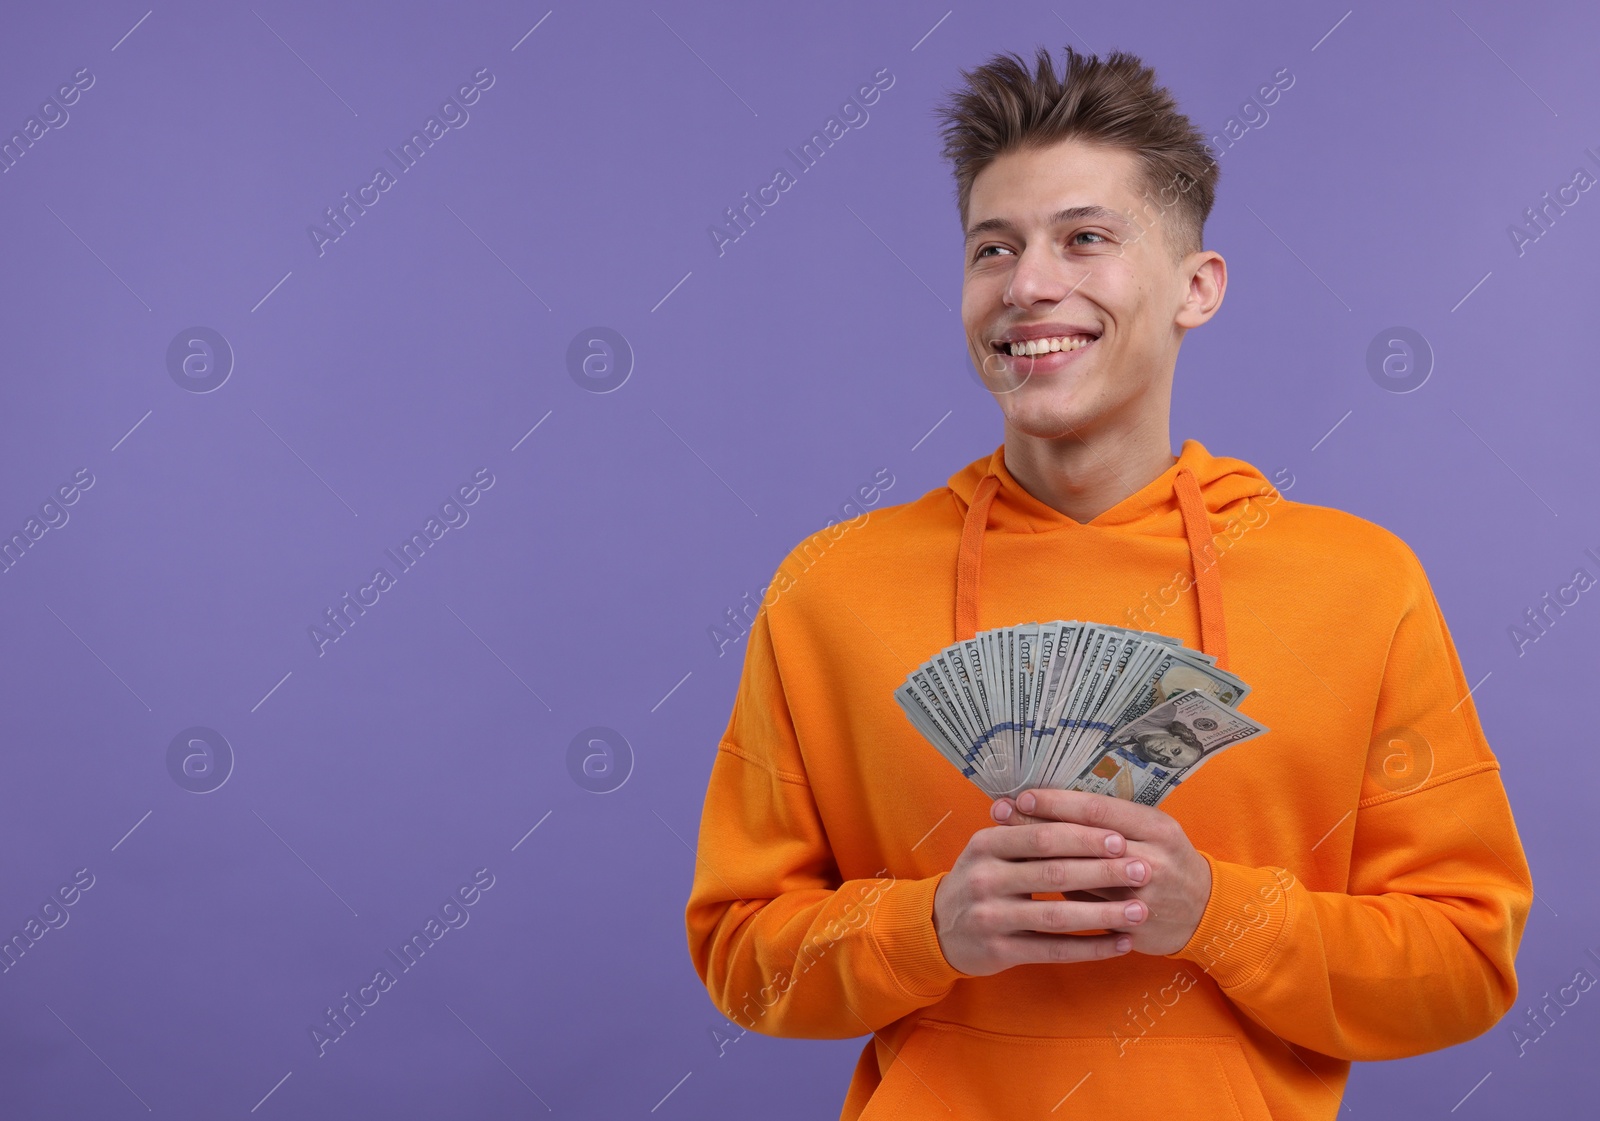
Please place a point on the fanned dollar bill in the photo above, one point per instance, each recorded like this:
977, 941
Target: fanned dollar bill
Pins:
1076, 706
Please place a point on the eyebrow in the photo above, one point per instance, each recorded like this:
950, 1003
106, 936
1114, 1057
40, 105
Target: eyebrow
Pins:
1070, 214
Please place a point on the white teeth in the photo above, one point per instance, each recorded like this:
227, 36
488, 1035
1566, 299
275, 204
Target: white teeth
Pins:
1049, 346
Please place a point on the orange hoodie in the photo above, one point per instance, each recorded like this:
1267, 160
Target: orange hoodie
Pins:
1368, 885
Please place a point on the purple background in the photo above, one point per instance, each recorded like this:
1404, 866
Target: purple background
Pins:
767, 384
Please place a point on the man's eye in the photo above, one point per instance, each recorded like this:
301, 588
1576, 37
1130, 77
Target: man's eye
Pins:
982, 252
1087, 233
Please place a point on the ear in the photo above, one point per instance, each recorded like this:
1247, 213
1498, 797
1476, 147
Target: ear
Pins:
1206, 281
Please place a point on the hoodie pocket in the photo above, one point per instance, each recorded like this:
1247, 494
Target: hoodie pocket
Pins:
947, 1070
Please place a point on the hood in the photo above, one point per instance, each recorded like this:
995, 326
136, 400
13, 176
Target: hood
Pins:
1178, 502
1152, 509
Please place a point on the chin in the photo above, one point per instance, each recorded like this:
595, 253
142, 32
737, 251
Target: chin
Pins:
1045, 423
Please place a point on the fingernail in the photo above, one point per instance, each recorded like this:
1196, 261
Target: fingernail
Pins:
1025, 803
1124, 944
1002, 811
1136, 871
1115, 844
1134, 911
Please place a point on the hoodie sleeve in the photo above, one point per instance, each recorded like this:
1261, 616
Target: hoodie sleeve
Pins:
785, 945
1418, 953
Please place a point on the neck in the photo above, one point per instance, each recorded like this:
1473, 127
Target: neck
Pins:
1082, 476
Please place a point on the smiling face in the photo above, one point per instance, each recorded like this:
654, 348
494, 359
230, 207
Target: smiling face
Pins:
1065, 244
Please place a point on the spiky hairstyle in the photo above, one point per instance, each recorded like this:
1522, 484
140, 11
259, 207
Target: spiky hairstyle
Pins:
1113, 102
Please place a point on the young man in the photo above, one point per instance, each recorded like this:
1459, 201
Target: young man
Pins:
1349, 886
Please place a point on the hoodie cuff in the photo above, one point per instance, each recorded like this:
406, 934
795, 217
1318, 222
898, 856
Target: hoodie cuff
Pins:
1242, 923
904, 934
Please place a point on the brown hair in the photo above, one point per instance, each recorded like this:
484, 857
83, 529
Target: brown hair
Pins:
1115, 103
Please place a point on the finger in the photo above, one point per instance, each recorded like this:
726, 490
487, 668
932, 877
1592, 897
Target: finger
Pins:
1022, 877
1049, 916
1030, 948
1005, 811
1047, 839
1136, 822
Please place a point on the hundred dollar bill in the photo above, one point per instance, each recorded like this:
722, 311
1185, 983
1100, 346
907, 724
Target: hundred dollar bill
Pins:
1172, 673
1053, 704
1145, 759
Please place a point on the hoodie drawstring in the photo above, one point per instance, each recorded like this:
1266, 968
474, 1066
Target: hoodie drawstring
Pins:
1196, 528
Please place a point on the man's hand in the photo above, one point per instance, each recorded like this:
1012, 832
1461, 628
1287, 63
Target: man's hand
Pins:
1177, 883
987, 920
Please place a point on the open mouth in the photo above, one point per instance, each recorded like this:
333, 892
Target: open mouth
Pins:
1029, 348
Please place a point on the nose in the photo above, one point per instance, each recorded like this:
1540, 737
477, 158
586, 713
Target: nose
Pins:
1040, 276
